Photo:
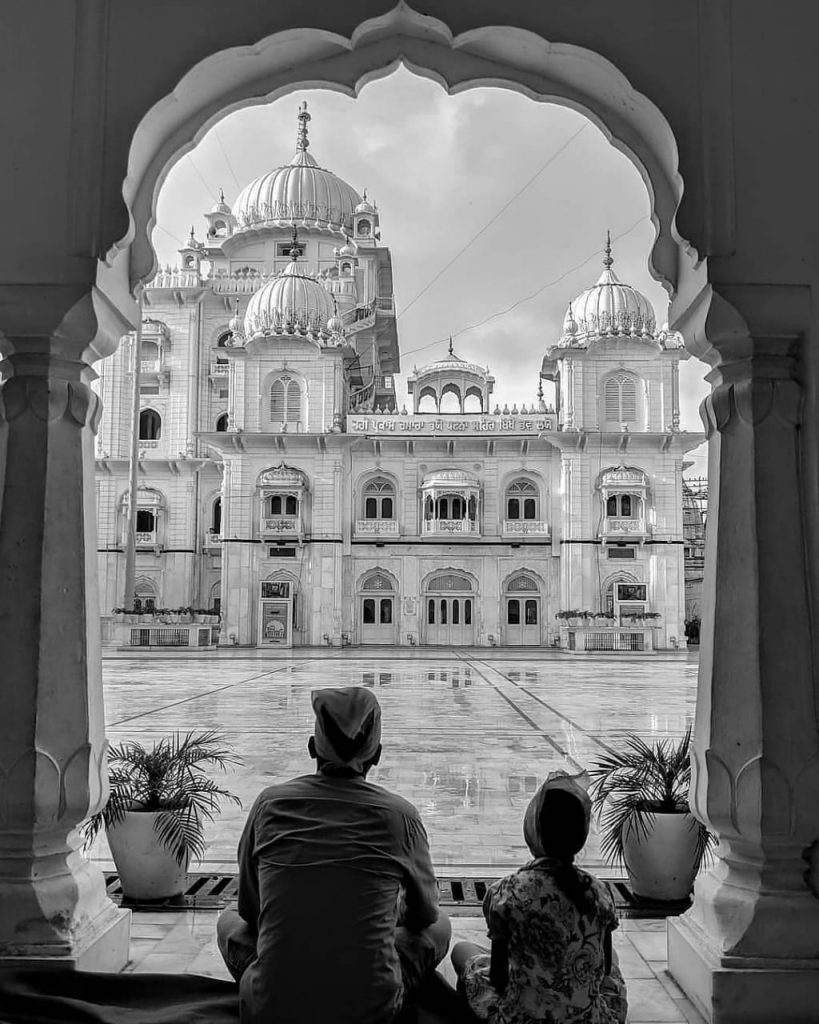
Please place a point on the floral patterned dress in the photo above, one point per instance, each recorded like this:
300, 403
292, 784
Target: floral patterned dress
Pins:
556, 954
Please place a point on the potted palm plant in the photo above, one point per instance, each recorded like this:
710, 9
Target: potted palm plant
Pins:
641, 797
155, 815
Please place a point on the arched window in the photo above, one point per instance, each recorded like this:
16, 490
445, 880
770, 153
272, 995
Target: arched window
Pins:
473, 402
346, 268
364, 227
285, 402
379, 499
222, 423
451, 401
149, 355
283, 505
427, 403
623, 506
608, 589
150, 425
522, 500
216, 517
222, 340
145, 596
620, 398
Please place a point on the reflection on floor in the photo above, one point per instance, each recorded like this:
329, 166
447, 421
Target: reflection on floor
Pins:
171, 943
468, 734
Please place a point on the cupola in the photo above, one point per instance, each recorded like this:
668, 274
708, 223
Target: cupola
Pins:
450, 385
365, 222
192, 253
221, 222
609, 309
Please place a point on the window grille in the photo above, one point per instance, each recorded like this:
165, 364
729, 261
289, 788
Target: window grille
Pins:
449, 581
621, 398
285, 400
377, 581
521, 583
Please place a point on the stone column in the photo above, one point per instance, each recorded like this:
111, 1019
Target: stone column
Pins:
53, 770
748, 950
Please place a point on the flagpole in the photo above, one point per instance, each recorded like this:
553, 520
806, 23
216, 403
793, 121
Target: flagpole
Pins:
130, 532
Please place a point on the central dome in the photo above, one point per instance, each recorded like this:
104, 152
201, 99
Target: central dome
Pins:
299, 192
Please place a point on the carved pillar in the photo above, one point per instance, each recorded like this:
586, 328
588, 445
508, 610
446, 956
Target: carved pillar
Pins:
53, 770
748, 950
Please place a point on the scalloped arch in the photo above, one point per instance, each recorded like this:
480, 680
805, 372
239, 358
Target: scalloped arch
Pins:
502, 56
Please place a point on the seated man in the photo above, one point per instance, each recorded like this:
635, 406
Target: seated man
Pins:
325, 861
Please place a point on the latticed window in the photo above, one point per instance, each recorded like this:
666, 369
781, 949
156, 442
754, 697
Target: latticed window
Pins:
522, 584
449, 581
379, 499
377, 581
521, 500
621, 398
285, 401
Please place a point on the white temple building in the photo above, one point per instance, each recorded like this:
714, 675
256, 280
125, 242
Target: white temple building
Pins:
284, 484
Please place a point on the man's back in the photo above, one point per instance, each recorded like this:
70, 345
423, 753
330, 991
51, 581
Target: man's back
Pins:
321, 863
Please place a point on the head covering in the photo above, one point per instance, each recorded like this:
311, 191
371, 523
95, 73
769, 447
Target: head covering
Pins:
535, 838
348, 725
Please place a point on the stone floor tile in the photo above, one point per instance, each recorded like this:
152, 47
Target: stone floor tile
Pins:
649, 1002
690, 1012
164, 963
651, 945
632, 964
665, 979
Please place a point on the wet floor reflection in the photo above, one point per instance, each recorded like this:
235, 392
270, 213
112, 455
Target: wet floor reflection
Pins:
467, 739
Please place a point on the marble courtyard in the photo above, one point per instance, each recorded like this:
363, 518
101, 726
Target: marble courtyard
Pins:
467, 737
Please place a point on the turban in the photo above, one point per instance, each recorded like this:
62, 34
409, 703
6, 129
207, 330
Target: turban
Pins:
543, 845
348, 725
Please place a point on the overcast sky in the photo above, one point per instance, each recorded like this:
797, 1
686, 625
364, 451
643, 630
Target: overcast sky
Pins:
441, 169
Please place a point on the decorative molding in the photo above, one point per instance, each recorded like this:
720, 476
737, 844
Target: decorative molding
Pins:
65, 792
49, 400
752, 402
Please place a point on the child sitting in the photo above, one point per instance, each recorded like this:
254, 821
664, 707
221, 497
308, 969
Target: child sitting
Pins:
550, 924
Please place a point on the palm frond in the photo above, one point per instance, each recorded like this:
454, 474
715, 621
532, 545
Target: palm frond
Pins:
631, 785
167, 778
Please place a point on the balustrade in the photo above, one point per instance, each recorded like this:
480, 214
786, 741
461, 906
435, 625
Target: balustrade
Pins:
461, 526
526, 526
146, 539
613, 526
219, 369
279, 524
377, 527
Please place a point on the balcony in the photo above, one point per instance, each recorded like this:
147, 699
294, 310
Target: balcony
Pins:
376, 528
213, 542
278, 526
149, 366
219, 369
146, 539
620, 529
525, 528
460, 527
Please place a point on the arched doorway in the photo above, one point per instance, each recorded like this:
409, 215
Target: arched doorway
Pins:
277, 603
522, 612
450, 607
378, 608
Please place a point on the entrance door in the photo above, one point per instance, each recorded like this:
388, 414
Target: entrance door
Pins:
276, 614
378, 619
522, 621
450, 620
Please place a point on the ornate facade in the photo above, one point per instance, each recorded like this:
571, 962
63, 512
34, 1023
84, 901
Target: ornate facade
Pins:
283, 482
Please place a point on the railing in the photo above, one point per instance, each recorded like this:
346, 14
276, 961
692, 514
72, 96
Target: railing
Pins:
449, 526
526, 526
386, 304
146, 539
377, 527
213, 540
279, 524
612, 526
219, 369
149, 366
173, 277
237, 284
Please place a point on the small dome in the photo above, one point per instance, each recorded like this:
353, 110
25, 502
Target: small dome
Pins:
291, 303
299, 191
334, 325
221, 206
609, 308
346, 250
193, 242
450, 478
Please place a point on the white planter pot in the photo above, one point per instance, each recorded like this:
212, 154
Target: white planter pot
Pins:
147, 871
662, 864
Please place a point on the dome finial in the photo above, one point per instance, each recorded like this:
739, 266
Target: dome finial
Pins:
221, 195
607, 260
540, 387
450, 346
302, 142
364, 197
295, 246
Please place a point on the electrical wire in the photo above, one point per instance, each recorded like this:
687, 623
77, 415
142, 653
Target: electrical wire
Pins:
526, 298
207, 187
436, 277
227, 160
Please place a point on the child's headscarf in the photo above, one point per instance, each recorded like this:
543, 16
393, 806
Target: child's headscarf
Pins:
542, 845
348, 725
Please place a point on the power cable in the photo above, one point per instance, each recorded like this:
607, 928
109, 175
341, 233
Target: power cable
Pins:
227, 160
207, 187
489, 223
526, 298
